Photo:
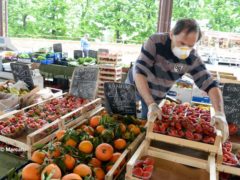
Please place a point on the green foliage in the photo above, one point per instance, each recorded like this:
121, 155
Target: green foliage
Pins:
129, 20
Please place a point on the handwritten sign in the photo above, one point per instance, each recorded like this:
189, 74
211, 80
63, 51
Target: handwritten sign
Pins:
120, 98
231, 97
57, 47
22, 72
84, 82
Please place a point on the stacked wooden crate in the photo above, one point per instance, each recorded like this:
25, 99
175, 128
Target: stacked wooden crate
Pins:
110, 70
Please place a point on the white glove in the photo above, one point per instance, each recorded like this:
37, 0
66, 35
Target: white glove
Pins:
219, 120
154, 112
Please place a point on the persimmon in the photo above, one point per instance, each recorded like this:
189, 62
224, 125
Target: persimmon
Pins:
38, 157
120, 144
85, 147
82, 170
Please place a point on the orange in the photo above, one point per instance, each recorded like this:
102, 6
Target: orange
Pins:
100, 129
94, 162
116, 172
89, 130
72, 176
130, 126
71, 142
38, 157
69, 161
122, 127
99, 173
52, 168
103, 113
82, 170
94, 121
60, 134
115, 157
85, 147
56, 150
120, 144
136, 130
31, 171
104, 152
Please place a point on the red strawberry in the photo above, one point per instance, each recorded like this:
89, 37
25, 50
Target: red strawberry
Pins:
189, 135
146, 175
137, 172
149, 161
148, 168
197, 137
139, 164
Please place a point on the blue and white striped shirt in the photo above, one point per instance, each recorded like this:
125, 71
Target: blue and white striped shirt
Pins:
161, 68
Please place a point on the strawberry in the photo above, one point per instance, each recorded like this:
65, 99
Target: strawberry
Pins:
149, 161
233, 129
138, 172
189, 135
146, 175
139, 164
197, 137
148, 168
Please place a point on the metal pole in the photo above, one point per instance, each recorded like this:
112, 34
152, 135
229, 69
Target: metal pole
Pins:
1, 17
164, 15
6, 18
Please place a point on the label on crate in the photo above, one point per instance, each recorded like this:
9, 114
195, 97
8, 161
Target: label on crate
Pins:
84, 82
22, 72
120, 98
232, 102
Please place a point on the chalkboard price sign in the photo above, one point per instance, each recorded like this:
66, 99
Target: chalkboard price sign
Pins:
22, 72
120, 98
84, 82
232, 102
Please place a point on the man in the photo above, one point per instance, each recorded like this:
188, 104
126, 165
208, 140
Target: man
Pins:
85, 45
164, 59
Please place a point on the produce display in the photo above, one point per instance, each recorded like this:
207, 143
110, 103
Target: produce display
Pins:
184, 121
143, 168
86, 61
38, 116
87, 152
7, 88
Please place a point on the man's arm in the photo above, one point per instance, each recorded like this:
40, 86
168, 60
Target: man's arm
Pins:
215, 95
143, 88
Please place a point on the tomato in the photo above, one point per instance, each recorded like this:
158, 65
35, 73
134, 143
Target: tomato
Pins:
233, 129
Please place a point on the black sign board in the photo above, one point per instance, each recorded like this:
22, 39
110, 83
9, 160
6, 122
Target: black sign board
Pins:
120, 98
231, 97
77, 54
22, 72
57, 47
84, 82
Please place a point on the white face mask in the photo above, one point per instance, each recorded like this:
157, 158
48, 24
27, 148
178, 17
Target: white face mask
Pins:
181, 52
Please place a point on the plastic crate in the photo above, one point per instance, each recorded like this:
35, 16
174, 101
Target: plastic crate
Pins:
47, 61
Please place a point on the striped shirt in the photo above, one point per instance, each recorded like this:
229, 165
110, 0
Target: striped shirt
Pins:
162, 69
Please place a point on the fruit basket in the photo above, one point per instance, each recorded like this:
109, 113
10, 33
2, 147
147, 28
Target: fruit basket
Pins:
228, 160
95, 148
169, 165
185, 126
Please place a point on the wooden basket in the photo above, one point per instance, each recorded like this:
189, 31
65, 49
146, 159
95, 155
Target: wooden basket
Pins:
183, 142
29, 141
146, 150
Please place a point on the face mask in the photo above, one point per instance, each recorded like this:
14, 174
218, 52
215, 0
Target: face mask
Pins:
181, 52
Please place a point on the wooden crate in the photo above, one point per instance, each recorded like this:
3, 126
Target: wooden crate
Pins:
109, 59
225, 168
183, 142
40, 136
126, 154
166, 157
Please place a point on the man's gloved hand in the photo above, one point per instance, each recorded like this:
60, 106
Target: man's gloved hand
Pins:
219, 119
154, 112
